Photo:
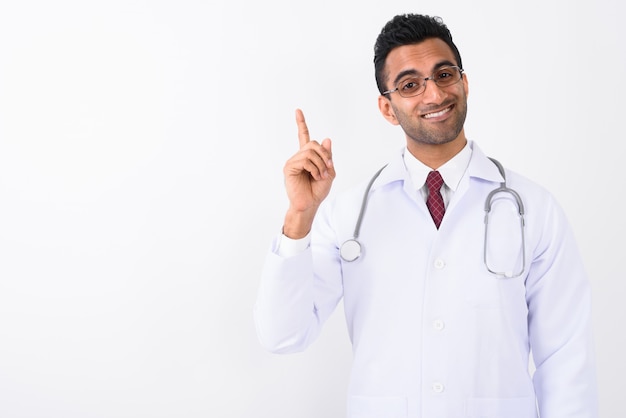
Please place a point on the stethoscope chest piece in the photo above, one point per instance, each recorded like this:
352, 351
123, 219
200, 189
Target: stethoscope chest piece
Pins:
350, 250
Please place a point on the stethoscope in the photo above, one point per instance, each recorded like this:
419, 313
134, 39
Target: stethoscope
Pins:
352, 249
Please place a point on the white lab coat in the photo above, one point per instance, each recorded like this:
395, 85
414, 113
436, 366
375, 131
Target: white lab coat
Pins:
434, 334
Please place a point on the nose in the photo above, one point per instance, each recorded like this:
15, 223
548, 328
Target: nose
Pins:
432, 92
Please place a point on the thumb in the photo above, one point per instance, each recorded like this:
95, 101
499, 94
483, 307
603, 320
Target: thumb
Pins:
327, 145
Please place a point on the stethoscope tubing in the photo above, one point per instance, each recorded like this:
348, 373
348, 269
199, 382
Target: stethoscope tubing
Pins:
352, 249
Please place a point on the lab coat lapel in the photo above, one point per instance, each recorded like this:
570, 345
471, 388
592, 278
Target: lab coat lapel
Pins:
480, 167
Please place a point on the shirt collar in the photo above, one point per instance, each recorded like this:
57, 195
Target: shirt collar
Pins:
452, 171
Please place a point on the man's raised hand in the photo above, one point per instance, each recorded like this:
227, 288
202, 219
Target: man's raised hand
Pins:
308, 177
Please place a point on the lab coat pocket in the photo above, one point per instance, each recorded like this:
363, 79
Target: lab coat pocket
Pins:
376, 407
501, 407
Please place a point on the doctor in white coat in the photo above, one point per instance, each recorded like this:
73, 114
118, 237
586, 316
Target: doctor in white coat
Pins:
442, 318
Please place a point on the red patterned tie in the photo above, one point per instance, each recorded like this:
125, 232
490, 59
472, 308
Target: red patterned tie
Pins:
434, 200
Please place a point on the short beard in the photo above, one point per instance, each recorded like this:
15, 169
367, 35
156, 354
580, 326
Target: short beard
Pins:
425, 136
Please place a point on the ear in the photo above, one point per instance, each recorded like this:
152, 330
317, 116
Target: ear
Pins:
465, 85
384, 105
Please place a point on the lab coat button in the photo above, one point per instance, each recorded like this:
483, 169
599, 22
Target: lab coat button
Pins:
437, 387
438, 324
439, 264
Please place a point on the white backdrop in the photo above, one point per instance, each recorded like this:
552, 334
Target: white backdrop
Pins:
141, 154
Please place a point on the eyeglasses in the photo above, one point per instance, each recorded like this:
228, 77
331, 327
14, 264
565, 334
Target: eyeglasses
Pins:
412, 86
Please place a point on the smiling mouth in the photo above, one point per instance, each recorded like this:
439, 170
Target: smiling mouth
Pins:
437, 114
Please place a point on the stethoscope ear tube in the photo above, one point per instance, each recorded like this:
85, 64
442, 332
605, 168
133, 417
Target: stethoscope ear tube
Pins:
520, 210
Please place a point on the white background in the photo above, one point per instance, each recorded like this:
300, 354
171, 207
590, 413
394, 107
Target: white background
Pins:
141, 154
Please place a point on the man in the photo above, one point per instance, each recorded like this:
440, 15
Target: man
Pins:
442, 315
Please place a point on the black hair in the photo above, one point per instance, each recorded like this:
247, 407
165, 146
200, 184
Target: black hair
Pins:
408, 29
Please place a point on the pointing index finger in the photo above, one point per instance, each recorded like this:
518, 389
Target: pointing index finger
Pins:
303, 130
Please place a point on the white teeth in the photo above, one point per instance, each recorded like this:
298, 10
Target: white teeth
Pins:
434, 115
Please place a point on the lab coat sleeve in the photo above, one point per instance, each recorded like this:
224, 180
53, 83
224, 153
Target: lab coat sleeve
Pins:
297, 294
559, 320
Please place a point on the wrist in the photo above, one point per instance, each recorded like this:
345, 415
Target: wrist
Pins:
298, 224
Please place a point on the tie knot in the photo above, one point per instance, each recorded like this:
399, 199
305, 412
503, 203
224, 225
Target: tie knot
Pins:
434, 181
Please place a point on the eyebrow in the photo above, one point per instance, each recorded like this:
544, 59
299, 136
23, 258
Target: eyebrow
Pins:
412, 71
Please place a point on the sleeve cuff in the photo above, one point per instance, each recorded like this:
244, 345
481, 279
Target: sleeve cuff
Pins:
288, 247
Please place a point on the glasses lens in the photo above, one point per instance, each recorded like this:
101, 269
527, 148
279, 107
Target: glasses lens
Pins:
447, 76
411, 87
443, 77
